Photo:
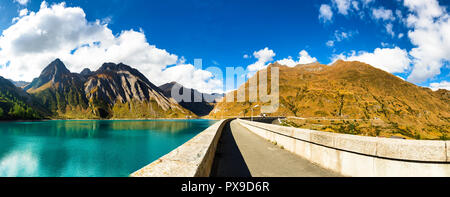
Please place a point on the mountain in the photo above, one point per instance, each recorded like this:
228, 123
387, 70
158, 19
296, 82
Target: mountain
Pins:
19, 83
131, 93
201, 108
16, 103
353, 97
113, 91
86, 72
443, 94
59, 90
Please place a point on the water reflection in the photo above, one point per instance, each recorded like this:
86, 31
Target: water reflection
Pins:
89, 148
18, 164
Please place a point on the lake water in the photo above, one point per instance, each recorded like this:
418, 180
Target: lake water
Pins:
100, 148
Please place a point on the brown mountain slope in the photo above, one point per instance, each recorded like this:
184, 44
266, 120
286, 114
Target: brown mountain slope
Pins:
359, 98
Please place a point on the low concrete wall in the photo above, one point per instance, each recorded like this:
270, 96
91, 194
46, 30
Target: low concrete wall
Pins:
263, 119
192, 159
352, 155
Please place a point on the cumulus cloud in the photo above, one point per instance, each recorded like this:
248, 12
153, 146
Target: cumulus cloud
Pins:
429, 26
263, 56
57, 31
22, 2
393, 60
326, 14
191, 77
303, 58
441, 85
23, 12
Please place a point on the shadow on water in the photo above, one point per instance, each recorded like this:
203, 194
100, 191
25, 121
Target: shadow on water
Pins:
228, 161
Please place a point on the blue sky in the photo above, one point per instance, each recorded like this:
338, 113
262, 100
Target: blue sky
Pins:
222, 32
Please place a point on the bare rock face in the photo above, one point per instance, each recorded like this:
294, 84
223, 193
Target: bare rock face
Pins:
120, 83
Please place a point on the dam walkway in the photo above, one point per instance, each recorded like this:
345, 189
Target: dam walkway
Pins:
241, 153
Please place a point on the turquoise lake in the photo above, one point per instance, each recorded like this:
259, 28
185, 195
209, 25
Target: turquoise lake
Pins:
97, 148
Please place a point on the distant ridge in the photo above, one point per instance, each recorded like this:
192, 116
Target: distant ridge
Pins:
199, 108
19, 84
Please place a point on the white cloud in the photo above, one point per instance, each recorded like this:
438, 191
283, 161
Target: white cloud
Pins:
330, 43
264, 56
340, 36
22, 2
190, 77
355, 5
399, 14
367, 2
325, 13
384, 14
57, 31
430, 33
246, 56
383, 44
393, 60
389, 29
442, 85
304, 58
23, 12
343, 6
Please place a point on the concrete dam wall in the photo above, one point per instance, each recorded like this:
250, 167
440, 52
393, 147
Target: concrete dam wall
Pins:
192, 159
360, 156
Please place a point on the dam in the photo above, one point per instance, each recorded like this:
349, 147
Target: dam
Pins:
244, 148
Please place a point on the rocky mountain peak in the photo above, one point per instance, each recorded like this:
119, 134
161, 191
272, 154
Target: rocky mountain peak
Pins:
86, 72
55, 72
56, 68
114, 67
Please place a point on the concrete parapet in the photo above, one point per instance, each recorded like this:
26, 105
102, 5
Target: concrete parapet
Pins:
192, 159
353, 155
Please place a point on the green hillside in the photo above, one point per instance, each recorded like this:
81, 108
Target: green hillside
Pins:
15, 103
